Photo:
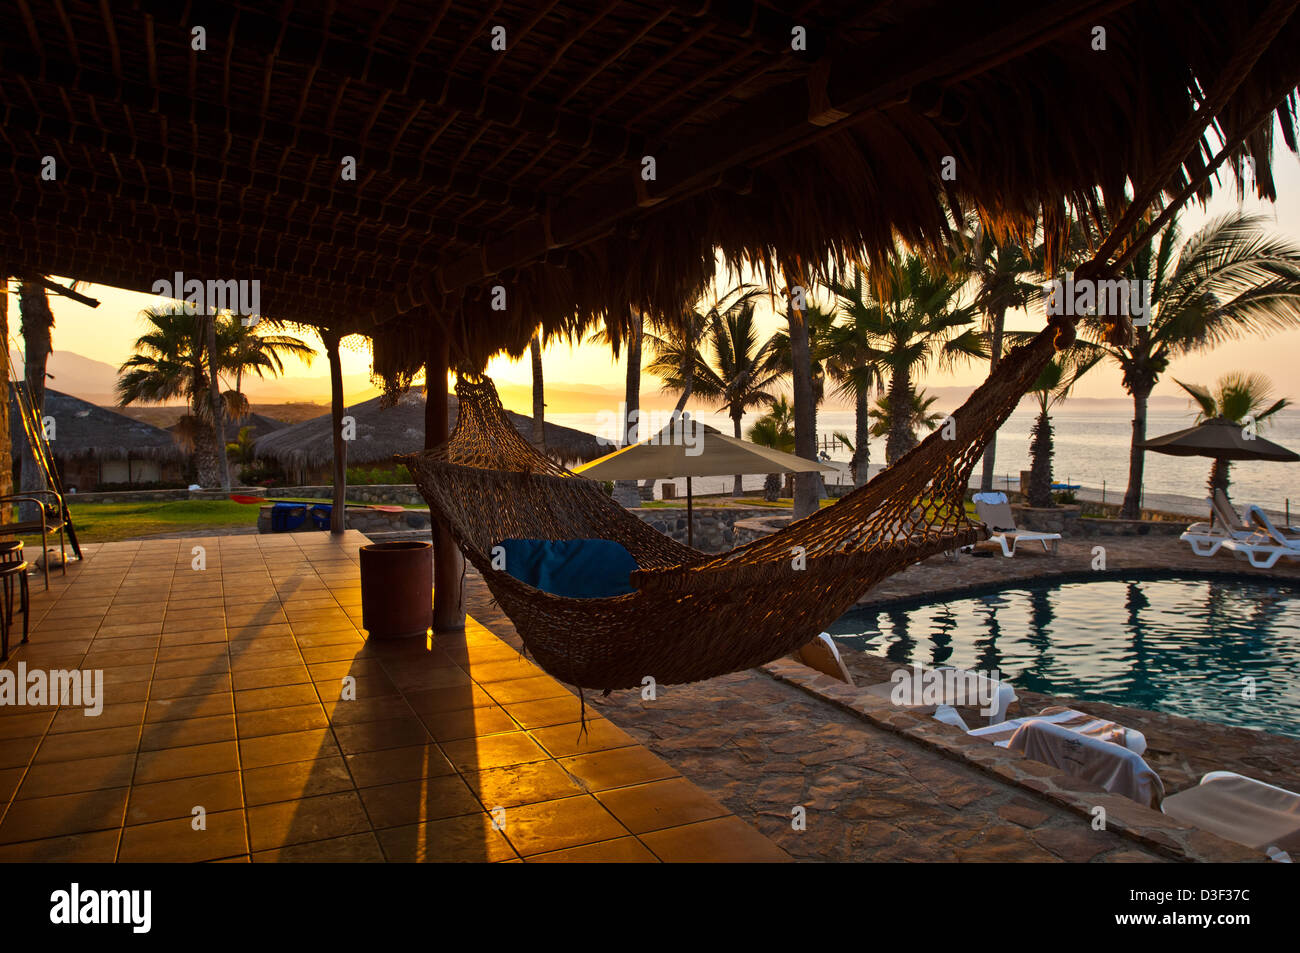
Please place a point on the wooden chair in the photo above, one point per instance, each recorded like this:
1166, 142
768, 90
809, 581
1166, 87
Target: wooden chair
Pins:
10, 572
51, 520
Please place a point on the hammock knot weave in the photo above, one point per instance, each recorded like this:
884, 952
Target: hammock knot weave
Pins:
693, 615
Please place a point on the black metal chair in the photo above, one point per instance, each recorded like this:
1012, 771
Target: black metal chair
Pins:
9, 573
51, 520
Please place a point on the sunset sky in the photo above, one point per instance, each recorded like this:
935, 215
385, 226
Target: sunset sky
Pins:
108, 332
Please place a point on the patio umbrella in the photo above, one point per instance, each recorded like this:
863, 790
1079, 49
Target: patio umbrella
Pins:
1219, 439
689, 450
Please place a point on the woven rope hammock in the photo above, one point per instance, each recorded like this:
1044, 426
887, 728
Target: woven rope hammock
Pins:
693, 615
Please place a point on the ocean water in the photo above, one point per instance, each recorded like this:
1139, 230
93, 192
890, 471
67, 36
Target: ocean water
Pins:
1091, 449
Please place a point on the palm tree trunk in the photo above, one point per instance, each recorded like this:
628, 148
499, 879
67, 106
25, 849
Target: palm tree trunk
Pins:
1040, 467
1219, 476
807, 486
995, 356
901, 436
214, 402
628, 492
1132, 507
37, 324
539, 395
860, 464
738, 480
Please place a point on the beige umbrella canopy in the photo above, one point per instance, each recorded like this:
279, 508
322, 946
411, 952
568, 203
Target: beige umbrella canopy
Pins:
693, 449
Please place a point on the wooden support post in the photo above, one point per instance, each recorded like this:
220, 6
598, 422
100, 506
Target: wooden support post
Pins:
448, 563
338, 512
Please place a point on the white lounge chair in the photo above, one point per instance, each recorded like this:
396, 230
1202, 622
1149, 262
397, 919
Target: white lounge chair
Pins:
1077, 721
1267, 544
995, 512
950, 693
1242, 810
1112, 766
823, 655
1207, 538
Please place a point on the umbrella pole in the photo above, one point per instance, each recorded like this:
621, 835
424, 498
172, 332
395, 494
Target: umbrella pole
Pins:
690, 515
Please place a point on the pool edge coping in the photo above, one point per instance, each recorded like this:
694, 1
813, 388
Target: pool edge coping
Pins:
1153, 830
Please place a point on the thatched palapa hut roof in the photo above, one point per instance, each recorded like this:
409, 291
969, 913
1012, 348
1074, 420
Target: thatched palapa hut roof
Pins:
594, 159
83, 429
383, 432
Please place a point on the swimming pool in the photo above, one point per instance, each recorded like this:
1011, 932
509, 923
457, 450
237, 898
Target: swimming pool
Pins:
1183, 646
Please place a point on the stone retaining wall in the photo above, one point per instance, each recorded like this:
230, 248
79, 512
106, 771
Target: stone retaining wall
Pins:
714, 525
1071, 523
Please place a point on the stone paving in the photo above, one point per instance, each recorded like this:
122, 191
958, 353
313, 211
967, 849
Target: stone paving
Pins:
886, 791
764, 748
225, 698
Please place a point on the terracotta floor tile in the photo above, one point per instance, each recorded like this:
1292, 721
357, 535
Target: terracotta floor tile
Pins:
188, 731
248, 679
176, 841
275, 721
465, 839
556, 825
457, 698
522, 784
618, 767
78, 745
189, 762
280, 696
110, 716
184, 708
468, 723
309, 819
503, 670
212, 665
563, 741
494, 751
526, 689
414, 802
283, 748
660, 804
376, 735
546, 712
622, 850
398, 764
721, 840
190, 685
72, 777
352, 849
99, 847
32, 724
385, 708
46, 817
166, 800
296, 780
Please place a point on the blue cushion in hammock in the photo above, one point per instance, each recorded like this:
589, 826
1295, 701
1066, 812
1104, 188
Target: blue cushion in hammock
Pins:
573, 568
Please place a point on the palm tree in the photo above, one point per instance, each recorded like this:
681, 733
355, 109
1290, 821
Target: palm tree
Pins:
172, 360
676, 346
38, 341
915, 325
774, 429
918, 415
261, 353
1006, 280
539, 393
742, 371
853, 363
1236, 397
1229, 280
1051, 387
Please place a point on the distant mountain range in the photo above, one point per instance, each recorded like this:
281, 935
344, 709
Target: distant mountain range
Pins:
95, 381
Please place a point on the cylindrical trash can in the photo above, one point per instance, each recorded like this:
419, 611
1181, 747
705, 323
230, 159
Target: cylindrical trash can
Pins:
396, 589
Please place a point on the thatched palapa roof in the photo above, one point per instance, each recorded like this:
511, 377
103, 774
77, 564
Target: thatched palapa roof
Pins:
83, 429
383, 432
778, 131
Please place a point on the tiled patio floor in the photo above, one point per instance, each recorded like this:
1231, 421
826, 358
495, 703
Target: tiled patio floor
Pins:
224, 710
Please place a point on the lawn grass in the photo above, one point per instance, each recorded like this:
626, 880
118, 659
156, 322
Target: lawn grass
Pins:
113, 522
